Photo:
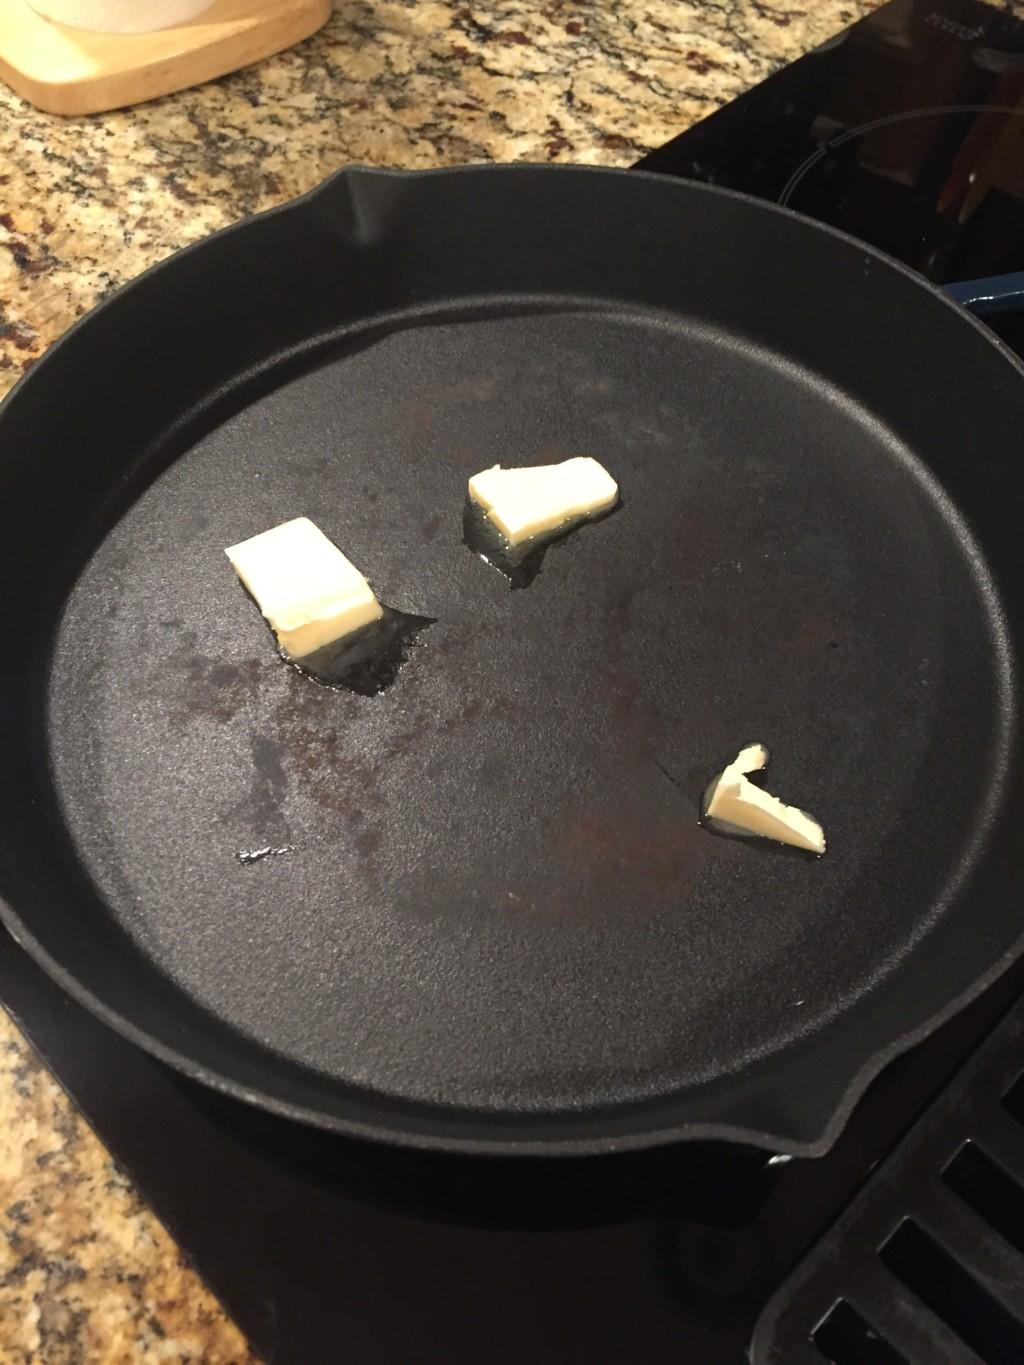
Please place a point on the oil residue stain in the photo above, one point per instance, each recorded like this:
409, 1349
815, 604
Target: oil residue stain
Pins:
521, 563
248, 856
269, 785
370, 660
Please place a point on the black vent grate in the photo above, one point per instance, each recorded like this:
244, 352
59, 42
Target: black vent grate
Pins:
848, 1339
926, 1265
1013, 1100
953, 1293
993, 1193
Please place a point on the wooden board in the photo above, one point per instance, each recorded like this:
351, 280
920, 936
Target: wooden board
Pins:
68, 71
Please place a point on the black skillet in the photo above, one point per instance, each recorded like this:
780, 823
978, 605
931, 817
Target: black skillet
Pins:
499, 927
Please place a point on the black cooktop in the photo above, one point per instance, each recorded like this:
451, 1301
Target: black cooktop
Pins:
908, 131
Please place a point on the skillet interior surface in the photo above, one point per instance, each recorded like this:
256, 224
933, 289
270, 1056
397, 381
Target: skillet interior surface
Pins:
496, 901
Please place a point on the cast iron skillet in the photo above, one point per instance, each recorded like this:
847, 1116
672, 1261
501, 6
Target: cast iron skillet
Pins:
499, 927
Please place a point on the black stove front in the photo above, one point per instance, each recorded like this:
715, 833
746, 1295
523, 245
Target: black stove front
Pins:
908, 131
327, 1250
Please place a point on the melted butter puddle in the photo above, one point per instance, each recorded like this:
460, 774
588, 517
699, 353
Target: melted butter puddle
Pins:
521, 563
369, 660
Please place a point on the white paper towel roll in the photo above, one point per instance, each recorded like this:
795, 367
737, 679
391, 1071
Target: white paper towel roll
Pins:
118, 16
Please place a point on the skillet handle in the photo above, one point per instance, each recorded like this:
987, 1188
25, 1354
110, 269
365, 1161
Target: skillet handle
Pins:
988, 298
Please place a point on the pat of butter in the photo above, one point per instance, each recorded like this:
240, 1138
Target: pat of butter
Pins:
737, 802
309, 592
524, 503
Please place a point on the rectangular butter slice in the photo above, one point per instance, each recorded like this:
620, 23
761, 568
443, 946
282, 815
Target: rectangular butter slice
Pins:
523, 503
305, 587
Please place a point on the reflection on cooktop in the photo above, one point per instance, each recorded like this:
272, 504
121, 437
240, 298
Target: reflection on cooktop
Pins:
906, 131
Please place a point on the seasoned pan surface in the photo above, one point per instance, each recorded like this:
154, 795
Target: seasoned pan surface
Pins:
492, 920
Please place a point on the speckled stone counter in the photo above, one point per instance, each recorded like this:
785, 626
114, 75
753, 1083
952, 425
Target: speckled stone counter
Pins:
87, 1275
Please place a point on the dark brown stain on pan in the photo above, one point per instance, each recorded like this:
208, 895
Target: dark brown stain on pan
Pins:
645, 860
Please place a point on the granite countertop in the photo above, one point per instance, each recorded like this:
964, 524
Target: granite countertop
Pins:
87, 1274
